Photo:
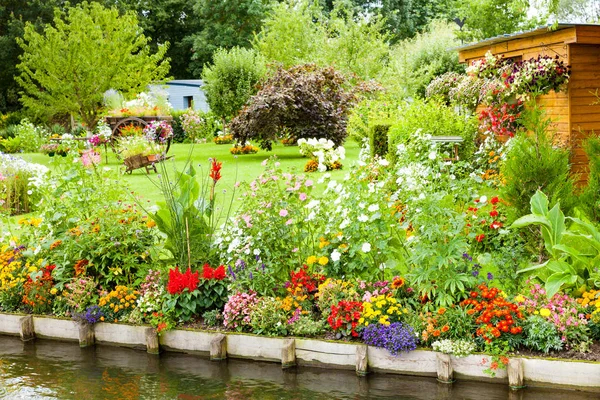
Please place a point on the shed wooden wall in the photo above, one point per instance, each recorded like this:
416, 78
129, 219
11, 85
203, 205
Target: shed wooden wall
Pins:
585, 116
573, 114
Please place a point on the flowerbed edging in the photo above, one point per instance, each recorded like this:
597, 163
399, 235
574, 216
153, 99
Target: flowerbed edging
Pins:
312, 352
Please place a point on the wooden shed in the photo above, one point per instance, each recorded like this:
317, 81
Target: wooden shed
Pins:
574, 113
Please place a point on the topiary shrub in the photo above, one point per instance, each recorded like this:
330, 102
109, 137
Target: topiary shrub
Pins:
304, 100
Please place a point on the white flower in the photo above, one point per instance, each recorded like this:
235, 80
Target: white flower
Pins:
432, 155
366, 247
483, 199
256, 252
363, 218
313, 204
373, 207
383, 162
335, 255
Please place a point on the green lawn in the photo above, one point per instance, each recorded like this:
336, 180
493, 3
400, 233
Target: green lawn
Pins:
242, 168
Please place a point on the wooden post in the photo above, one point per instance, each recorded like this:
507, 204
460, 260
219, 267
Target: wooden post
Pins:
152, 345
27, 330
445, 372
86, 335
218, 348
288, 353
515, 373
362, 364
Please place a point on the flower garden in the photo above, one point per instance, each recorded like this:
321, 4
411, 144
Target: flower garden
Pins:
409, 247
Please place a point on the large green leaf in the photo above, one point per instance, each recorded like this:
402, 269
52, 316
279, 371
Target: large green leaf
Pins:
532, 268
553, 236
539, 203
532, 219
557, 280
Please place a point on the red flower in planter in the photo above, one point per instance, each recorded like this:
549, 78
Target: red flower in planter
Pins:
179, 281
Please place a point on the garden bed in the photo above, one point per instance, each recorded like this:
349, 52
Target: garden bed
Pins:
331, 354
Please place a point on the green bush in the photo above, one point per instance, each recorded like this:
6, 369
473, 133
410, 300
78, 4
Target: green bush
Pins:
231, 80
27, 138
179, 135
589, 200
379, 140
541, 335
434, 119
268, 318
533, 163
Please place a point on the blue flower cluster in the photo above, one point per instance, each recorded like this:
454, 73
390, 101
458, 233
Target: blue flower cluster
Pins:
91, 315
395, 337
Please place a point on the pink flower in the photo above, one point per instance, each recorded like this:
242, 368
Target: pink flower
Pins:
289, 221
283, 213
302, 196
308, 183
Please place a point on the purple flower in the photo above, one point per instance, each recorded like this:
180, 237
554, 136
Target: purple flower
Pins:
231, 273
490, 276
467, 256
396, 337
475, 273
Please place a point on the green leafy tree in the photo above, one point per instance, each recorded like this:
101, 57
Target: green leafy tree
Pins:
170, 21
231, 80
224, 24
14, 14
300, 32
88, 50
292, 34
415, 62
489, 18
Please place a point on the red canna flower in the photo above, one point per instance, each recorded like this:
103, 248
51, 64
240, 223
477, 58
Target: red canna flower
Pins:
215, 170
480, 238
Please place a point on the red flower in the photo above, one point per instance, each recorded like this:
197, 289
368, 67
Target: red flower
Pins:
480, 238
215, 170
494, 213
208, 272
494, 200
496, 225
179, 281
220, 273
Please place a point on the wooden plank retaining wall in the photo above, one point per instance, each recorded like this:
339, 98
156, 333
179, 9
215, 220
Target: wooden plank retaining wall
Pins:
335, 355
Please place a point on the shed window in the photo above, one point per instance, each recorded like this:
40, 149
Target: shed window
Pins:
188, 101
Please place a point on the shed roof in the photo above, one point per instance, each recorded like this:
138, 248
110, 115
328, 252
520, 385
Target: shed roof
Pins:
185, 82
523, 34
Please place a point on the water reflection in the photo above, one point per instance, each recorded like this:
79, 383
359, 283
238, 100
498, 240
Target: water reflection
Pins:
55, 370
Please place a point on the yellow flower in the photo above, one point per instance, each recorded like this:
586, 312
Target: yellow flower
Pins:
53, 290
520, 298
311, 260
323, 260
544, 312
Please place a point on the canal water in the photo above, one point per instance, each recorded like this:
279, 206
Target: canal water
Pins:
56, 370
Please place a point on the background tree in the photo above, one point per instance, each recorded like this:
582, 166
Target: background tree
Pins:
170, 21
88, 50
304, 101
231, 80
300, 32
489, 18
415, 62
225, 24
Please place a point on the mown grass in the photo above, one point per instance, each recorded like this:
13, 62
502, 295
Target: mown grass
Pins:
242, 168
